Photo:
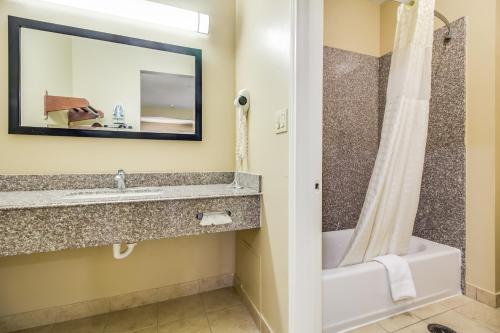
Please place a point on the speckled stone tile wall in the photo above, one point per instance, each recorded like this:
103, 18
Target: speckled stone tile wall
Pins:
249, 180
350, 124
441, 213
10, 183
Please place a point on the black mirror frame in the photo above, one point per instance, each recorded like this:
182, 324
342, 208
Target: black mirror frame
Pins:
15, 25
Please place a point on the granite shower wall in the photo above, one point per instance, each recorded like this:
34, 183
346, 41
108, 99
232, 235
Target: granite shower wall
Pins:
350, 134
354, 104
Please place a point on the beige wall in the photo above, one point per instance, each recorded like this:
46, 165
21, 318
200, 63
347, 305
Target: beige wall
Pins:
262, 66
353, 25
118, 71
497, 74
45, 280
46, 67
32, 282
388, 18
480, 129
186, 114
218, 61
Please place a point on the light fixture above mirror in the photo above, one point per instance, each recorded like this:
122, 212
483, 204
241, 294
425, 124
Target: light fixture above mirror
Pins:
144, 11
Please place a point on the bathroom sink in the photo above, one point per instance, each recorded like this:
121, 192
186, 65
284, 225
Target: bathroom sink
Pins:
113, 194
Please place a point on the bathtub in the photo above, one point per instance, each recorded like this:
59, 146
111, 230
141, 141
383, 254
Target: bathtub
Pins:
357, 295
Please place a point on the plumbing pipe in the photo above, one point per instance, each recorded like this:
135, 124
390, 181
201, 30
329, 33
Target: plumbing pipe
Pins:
117, 251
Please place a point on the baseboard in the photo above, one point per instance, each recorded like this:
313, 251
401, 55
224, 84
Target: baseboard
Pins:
101, 306
254, 310
482, 296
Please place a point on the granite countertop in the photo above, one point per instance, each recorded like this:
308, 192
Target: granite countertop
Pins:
78, 197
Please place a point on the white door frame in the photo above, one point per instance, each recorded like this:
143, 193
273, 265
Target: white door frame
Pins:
305, 200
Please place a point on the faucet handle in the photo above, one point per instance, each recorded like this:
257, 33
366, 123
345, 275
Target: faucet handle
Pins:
120, 180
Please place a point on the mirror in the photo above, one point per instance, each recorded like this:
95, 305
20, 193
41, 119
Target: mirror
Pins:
76, 82
167, 102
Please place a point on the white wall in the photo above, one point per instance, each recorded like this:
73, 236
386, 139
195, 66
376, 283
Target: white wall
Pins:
263, 67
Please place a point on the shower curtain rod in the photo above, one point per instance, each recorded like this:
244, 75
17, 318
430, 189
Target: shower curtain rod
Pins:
440, 16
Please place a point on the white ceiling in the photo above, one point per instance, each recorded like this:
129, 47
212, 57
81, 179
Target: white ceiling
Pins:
160, 90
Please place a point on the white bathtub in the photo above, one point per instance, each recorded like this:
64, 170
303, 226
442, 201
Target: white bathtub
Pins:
357, 295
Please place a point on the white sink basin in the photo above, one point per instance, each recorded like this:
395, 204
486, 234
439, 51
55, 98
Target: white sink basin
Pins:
113, 194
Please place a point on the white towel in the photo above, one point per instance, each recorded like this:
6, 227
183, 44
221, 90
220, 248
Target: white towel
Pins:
210, 219
221, 219
400, 277
207, 220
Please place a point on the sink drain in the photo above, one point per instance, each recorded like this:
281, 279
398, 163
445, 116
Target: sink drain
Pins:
436, 328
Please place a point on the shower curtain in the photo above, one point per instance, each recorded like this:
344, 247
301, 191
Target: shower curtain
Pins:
386, 222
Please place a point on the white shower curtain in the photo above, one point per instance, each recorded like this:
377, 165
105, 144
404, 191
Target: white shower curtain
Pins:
386, 222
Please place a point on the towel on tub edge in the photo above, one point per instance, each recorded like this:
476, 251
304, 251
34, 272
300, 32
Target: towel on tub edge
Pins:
400, 277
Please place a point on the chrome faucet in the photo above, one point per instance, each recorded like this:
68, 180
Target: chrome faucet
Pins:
120, 180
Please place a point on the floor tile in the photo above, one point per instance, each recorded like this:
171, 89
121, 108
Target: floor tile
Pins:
458, 322
481, 313
178, 290
133, 300
82, 310
151, 329
420, 327
236, 319
191, 325
86, 325
217, 282
398, 322
180, 308
21, 321
42, 329
132, 319
430, 310
455, 302
470, 291
220, 299
486, 297
374, 328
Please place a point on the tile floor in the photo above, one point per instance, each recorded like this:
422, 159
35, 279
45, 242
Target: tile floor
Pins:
460, 313
219, 311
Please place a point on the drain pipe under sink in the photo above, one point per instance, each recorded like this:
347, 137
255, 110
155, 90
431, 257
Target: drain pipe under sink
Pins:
117, 251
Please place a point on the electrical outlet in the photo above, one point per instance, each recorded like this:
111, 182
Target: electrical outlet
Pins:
281, 125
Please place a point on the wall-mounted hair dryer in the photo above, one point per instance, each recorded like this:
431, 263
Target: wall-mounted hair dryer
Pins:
242, 104
242, 101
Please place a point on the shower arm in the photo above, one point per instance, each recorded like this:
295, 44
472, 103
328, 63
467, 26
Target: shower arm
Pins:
440, 16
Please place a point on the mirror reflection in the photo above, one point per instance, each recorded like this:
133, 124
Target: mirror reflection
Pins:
167, 102
71, 82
